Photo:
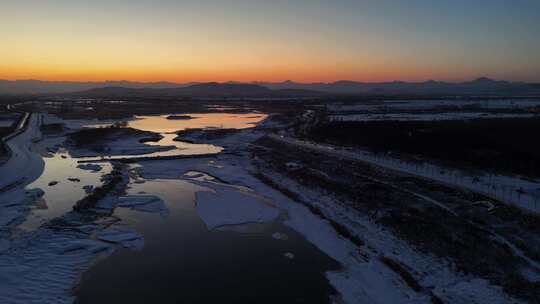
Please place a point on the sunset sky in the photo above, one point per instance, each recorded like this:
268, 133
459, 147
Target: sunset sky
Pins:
302, 40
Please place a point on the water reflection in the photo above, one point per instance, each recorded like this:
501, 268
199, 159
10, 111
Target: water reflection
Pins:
168, 128
161, 124
60, 197
182, 148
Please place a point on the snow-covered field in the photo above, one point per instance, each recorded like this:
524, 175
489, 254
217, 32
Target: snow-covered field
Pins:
513, 190
428, 116
24, 164
447, 284
23, 167
411, 105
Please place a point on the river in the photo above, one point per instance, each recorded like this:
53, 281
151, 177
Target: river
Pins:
182, 259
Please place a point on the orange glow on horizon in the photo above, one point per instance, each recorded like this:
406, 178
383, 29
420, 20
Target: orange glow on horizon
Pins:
303, 41
183, 75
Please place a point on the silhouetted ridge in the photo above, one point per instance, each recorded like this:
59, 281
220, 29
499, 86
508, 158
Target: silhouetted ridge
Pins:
479, 86
209, 90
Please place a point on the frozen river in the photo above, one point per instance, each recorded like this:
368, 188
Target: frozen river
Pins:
199, 240
182, 261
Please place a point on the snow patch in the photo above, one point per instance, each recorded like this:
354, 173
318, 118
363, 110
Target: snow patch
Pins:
230, 207
512, 190
145, 203
40, 266
427, 117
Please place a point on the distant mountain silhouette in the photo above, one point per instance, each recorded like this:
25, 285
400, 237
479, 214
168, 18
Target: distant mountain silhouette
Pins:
54, 87
209, 90
480, 86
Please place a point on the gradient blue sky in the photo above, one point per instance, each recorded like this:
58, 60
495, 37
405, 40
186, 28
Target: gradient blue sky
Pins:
303, 40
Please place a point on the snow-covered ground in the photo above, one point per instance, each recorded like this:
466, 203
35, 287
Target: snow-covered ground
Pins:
40, 267
428, 116
23, 167
411, 105
24, 163
522, 193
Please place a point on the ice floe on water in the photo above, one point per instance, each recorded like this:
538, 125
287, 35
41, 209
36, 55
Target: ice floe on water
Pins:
145, 203
230, 207
205, 178
126, 237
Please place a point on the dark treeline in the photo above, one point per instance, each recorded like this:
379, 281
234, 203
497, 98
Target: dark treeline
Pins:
502, 145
